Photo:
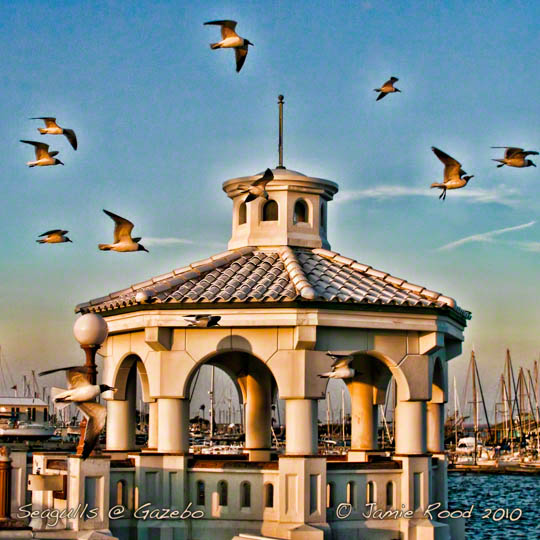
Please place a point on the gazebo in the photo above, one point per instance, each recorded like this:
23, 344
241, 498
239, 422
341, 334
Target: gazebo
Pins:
285, 299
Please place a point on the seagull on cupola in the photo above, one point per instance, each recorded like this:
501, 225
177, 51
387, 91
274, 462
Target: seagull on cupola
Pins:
258, 187
340, 367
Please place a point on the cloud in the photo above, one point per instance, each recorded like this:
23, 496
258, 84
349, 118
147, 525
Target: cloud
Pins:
487, 237
502, 194
170, 241
534, 247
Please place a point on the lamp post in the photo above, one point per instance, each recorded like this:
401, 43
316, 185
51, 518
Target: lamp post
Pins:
90, 331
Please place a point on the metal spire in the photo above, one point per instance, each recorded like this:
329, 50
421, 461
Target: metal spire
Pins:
280, 143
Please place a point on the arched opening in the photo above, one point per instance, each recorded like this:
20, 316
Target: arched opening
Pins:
200, 493
330, 495
323, 216
300, 214
245, 495
435, 409
242, 214
269, 495
128, 414
270, 211
390, 494
351, 493
223, 493
370, 492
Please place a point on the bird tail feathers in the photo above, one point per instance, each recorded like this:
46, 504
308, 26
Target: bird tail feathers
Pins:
214, 45
435, 184
500, 161
104, 247
43, 131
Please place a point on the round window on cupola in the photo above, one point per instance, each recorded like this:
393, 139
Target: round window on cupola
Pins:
242, 214
300, 214
270, 211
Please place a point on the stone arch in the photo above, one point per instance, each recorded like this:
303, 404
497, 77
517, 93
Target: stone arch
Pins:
121, 375
270, 211
301, 212
439, 391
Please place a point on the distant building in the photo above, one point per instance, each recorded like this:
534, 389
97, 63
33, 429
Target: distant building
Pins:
25, 409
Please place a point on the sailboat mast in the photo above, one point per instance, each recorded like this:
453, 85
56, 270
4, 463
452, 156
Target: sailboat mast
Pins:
475, 404
343, 414
455, 412
212, 402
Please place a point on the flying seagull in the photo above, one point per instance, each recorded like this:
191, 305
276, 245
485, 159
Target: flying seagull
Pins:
122, 236
453, 173
387, 88
43, 156
258, 187
515, 157
203, 321
55, 236
231, 40
52, 128
82, 393
340, 367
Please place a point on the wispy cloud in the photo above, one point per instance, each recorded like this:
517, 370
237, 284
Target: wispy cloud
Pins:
488, 237
168, 241
502, 194
530, 246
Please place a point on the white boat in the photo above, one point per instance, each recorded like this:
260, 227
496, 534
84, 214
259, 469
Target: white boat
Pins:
27, 431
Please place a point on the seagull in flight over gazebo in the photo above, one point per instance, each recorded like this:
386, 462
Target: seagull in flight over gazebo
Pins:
82, 393
52, 128
122, 236
55, 236
340, 367
43, 156
454, 175
231, 40
387, 88
203, 321
515, 157
258, 187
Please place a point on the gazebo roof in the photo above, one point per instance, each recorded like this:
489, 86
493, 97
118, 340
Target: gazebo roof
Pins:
275, 275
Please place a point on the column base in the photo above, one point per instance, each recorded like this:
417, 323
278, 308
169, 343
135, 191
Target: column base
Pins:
258, 454
363, 455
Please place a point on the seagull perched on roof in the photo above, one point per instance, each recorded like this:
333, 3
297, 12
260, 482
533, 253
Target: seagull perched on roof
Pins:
52, 128
43, 156
258, 187
453, 173
340, 367
515, 157
82, 393
203, 321
122, 236
387, 88
55, 236
231, 40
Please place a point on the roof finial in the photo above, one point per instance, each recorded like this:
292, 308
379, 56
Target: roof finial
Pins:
280, 143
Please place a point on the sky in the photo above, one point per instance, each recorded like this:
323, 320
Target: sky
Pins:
162, 121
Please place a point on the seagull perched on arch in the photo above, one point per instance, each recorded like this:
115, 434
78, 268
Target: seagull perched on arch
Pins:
340, 367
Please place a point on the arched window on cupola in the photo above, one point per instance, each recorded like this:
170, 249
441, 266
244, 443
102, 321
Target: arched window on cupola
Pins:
242, 214
270, 211
323, 216
300, 214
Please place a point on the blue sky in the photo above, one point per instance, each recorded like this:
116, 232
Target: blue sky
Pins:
162, 121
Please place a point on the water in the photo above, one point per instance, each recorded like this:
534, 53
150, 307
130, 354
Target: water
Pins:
490, 492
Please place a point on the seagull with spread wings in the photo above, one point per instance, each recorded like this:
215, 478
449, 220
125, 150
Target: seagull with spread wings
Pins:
258, 187
387, 88
515, 157
55, 236
122, 236
454, 175
203, 321
231, 40
82, 393
43, 156
52, 128
340, 367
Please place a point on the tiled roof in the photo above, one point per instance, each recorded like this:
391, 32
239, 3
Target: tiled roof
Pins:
275, 275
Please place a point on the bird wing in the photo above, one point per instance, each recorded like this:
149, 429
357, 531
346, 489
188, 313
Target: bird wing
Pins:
240, 53
96, 415
381, 96
530, 153
122, 228
227, 28
512, 151
49, 121
71, 137
42, 149
340, 360
452, 167
264, 179
76, 375
54, 231
390, 81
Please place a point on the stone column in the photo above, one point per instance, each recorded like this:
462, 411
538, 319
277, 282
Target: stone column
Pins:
258, 411
153, 425
5, 484
173, 430
410, 419
120, 425
435, 427
364, 416
301, 422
